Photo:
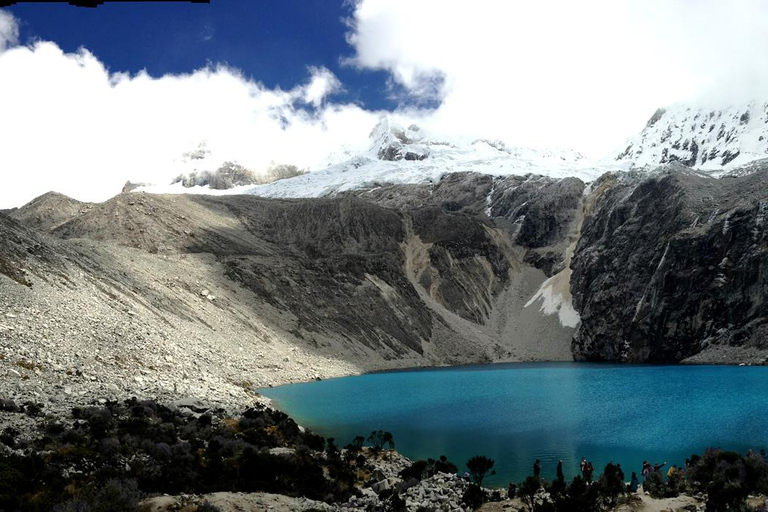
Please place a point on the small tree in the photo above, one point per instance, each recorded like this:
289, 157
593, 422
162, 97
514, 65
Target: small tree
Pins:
445, 466
331, 449
612, 484
583, 497
558, 493
380, 438
528, 490
473, 497
655, 486
479, 467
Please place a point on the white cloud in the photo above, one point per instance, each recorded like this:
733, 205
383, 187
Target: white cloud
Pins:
9, 30
70, 125
582, 74
323, 84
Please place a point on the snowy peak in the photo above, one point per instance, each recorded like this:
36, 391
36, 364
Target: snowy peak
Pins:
704, 138
391, 142
398, 155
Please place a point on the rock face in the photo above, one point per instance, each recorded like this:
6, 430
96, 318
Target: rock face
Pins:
23, 251
206, 297
670, 265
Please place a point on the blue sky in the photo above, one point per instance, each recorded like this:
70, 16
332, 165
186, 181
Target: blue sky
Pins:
271, 41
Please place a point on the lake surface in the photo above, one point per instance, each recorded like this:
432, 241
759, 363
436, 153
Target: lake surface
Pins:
516, 413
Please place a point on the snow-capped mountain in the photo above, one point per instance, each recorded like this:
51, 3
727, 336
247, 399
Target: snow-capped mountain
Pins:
704, 138
398, 155
712, 139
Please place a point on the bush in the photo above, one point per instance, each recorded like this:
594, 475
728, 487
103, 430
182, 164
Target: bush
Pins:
655, 485
528, 490
379, 438
479, 467
421, 469
417, 470
756, 469
473, 497
611, 484
443, 465
583, 497
115, 496
215, 455
558, 493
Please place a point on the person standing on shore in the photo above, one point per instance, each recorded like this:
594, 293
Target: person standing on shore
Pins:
634, 483
537, 468
647, 469
671, 473
560, 475
588, 470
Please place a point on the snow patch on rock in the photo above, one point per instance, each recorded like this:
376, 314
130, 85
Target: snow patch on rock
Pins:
556, 301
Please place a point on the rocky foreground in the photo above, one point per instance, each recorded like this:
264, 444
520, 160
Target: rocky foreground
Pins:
117, 454
148, 456
197, 301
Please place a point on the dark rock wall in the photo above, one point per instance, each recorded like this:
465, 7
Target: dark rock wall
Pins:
669, 264
666, 264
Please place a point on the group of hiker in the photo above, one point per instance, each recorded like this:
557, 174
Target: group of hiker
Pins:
674, 473
587, 470
648, 469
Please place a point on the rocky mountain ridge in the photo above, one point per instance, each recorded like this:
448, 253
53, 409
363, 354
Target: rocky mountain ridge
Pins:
209, 297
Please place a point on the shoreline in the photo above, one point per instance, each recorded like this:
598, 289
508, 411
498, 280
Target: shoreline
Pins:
408, 369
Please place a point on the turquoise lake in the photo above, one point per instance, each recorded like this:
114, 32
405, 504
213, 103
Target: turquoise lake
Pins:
516, 413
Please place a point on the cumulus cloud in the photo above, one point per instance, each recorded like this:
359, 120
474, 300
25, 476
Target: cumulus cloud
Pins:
323, 84
71, 125
9, 30
584, 75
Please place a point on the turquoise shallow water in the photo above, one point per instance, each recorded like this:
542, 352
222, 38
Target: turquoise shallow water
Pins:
515, 413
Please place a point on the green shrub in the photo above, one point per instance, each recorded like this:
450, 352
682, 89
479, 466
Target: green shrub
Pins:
443, 465
417, 470
473, 497
582, 496
380, 438
421, 469
528, 490
655, 485
611, 484
479, 467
